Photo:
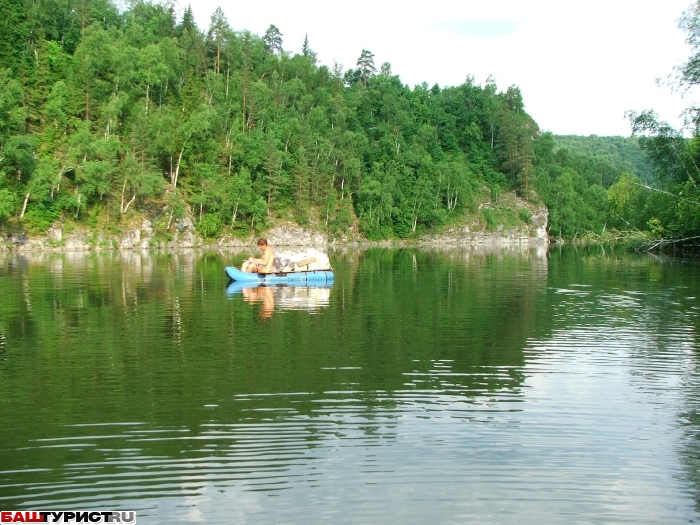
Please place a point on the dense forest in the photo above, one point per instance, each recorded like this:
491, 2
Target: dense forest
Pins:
106, 113
621, 152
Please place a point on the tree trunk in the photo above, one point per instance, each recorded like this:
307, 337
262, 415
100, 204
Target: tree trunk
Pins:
235, 212
415, 216
173, 178
123, 209
201, 204
24, 206
126, 208
244, 87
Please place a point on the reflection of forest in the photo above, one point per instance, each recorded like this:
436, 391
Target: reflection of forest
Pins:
154, 347
475, 305
390, 308
153, 338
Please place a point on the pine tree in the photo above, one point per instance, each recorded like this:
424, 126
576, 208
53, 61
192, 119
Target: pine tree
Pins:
365, 66
273, 40
218, 33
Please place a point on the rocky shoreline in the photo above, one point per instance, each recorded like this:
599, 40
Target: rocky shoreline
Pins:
143, 237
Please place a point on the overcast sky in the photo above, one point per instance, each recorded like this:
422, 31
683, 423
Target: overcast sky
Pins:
579, 65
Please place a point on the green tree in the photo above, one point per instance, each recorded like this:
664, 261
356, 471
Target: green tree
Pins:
365, 66
273, 40
675, 156
307, 51
107, 111
239, 193
7, 204
219, 33
14, 34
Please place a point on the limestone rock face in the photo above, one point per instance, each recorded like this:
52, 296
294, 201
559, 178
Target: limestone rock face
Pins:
186, 235
540, 220
76, 242
130, 239
18, 239
141, 234
535, 232
290, 234
138, 237
146, 234
55, 233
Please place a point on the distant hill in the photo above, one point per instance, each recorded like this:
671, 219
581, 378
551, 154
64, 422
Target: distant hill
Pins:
618, 151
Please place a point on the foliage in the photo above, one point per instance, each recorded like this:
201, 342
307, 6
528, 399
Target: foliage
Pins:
106, 112
670, 204
7, 204
525, 215
620, 153
572, 187
632, 239
209, 225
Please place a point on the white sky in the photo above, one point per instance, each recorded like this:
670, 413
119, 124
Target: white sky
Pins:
579, 65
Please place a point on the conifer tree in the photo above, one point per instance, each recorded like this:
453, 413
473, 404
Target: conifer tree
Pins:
307, 51
218, 32
273, 40
365, 66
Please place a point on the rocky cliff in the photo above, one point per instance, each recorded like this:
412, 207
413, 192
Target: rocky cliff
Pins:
510, 221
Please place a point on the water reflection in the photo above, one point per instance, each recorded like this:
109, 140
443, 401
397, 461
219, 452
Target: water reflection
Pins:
464, 385
285, 297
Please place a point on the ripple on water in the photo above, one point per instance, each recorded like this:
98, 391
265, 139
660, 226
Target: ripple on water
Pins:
555, 402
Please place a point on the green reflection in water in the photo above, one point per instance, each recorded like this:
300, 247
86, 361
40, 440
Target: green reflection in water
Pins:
114, 365
115, 338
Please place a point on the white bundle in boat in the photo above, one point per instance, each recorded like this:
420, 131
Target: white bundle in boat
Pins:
310, 259
283, 262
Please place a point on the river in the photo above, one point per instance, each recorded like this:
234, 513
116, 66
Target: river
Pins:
465, 385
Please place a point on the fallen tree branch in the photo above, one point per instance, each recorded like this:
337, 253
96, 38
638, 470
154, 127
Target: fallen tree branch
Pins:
657, 189
672, 241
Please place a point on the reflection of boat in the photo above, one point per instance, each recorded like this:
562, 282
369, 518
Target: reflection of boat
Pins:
308, 296
315, 277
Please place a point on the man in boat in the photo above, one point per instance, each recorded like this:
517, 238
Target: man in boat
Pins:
262, 265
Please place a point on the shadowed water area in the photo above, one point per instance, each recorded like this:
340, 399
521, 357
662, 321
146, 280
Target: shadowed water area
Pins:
424, 386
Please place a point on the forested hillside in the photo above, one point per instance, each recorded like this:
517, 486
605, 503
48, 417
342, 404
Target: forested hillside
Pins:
106, 113
621, 152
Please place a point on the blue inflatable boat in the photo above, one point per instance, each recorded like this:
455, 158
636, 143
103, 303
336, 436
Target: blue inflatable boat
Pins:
316, 277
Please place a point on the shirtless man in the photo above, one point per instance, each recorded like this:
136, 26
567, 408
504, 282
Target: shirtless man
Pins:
262, 265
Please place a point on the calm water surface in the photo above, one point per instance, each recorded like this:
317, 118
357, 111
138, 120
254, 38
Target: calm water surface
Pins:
459, 386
